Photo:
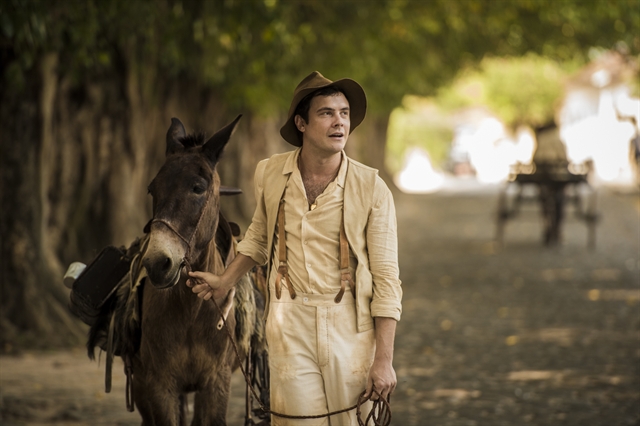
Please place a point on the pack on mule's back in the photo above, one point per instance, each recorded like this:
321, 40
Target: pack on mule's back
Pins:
97, 283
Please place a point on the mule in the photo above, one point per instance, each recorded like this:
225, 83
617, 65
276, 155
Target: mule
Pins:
182, 349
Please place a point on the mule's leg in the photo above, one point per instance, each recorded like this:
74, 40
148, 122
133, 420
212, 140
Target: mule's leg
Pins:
210, 404
157, 405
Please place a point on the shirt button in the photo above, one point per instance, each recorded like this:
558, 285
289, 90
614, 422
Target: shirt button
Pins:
306, 299
308, 265
306, 242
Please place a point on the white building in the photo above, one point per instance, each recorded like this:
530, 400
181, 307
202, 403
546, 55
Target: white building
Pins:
595, 118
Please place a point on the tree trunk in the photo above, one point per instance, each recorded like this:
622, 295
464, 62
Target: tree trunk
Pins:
76, 159
33, 310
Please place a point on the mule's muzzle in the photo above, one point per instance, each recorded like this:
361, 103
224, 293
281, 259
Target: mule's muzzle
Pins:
164, 257
162, 270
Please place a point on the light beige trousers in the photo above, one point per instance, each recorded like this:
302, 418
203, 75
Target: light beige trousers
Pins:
318, 360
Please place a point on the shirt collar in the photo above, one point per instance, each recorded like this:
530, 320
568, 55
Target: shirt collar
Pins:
291, 163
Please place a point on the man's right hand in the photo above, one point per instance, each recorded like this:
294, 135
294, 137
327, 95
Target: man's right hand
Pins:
207, 285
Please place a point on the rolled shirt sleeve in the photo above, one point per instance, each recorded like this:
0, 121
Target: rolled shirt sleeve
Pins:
254, 243
382, 245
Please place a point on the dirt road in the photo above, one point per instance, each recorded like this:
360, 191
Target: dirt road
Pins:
490, 335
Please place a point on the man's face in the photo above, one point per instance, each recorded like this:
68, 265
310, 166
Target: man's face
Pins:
329, 123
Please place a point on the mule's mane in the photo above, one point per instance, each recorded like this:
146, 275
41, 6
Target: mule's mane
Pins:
193, 140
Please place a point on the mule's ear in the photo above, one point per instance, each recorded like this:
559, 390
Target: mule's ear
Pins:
214, 146
174, 134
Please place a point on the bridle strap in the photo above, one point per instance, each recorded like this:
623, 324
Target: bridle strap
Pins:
186, 260
174, 230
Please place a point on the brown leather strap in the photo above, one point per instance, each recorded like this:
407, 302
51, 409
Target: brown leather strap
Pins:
283, 269
345, 273
128, 371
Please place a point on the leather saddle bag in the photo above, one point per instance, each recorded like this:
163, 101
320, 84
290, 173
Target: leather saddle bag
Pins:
97, 284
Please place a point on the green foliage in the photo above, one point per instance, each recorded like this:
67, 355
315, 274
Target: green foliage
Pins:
253, 51
418, 123
523, 90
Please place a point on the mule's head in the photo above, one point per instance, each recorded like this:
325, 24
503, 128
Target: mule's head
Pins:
186, 199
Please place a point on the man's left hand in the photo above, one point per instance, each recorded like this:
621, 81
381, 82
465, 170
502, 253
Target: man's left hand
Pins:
382, 379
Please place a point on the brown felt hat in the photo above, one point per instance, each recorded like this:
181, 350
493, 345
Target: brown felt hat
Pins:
314, 81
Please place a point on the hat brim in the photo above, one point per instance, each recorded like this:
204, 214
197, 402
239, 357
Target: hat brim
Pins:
357, 107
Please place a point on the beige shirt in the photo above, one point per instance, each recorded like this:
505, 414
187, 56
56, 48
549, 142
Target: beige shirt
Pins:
313, 236
370, 224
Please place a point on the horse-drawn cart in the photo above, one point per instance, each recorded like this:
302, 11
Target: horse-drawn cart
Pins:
553, 186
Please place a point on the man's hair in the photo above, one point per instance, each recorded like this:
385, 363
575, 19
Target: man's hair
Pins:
303, 106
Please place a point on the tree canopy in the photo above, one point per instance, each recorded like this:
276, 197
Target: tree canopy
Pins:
520, 91
250, 51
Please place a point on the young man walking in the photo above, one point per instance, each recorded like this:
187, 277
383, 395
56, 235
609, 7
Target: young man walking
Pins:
325, 226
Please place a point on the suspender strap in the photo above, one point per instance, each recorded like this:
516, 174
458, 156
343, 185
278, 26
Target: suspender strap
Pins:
283, 270
345, 273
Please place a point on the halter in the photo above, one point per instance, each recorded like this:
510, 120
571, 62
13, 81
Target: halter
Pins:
186, 260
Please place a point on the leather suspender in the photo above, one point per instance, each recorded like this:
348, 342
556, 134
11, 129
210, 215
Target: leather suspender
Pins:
283, 269
345, 273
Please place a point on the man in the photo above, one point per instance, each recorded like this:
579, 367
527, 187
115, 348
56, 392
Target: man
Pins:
325, 225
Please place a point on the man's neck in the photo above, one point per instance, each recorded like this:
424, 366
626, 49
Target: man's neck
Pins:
315, 165
317, 172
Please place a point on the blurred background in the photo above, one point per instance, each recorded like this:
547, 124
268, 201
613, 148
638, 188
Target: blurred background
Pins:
458, 91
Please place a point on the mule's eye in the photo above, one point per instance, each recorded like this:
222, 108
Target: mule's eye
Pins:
198, 189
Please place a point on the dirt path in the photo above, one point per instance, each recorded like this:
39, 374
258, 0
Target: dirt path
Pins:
489, 336
65, 388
